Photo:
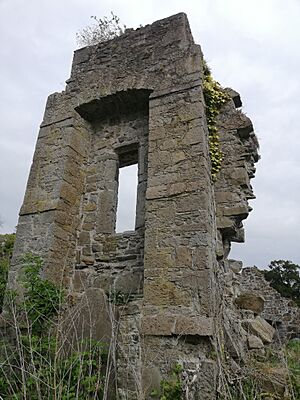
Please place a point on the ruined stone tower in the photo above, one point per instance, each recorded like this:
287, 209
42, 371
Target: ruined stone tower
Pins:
139, 99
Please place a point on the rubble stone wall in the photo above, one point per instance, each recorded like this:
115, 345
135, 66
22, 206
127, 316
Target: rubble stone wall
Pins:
279, 311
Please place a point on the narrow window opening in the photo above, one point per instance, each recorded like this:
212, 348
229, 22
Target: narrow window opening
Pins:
127, 197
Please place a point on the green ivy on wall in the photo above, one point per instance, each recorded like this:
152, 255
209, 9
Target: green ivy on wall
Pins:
215, 97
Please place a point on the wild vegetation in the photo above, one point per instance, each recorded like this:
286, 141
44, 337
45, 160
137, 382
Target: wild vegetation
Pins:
292, 352
37, 361
215, 97
284, 276
273, 375
101, 30
171, 388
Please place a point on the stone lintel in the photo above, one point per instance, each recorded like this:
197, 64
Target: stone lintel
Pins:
39, 206
176, 89
115, 104
167, 325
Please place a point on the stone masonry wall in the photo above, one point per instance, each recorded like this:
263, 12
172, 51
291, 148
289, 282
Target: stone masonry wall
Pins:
163, 290
134, 99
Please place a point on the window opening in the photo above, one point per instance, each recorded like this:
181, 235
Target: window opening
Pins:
127, 196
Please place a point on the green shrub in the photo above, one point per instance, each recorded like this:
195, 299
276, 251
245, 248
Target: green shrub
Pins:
171, 388
37, 369
38, 362
42, 298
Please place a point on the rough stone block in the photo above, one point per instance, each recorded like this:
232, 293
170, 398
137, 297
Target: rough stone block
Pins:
80, 280
69, 193
250, 301
84, 238
130, 282
260, 328
164, 293
235, 97
92, 206
167, 325
235, 265
88, 260
202, 326
254, 342
91, 317
183, 256
158, 325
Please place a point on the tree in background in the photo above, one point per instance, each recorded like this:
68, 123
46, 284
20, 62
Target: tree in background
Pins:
6, 248
283, 276
101, 30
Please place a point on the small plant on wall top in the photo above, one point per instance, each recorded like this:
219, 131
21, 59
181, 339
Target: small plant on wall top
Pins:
215, 97
101, 30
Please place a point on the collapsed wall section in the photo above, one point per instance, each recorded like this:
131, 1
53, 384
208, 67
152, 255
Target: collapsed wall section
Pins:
280, 312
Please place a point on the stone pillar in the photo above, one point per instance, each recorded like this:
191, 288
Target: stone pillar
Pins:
179, 292
49, 216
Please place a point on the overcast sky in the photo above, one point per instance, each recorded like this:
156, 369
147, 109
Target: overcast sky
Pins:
251, 45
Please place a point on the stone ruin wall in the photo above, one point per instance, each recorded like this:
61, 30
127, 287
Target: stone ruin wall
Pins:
139, 98
280, 312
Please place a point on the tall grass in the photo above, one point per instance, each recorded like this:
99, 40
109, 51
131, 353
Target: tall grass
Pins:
42, 353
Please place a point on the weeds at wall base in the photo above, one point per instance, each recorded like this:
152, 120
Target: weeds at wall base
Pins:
170, 388
6, 249
33, 361
273, 376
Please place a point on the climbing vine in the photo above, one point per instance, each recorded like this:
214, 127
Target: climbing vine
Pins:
215, 97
